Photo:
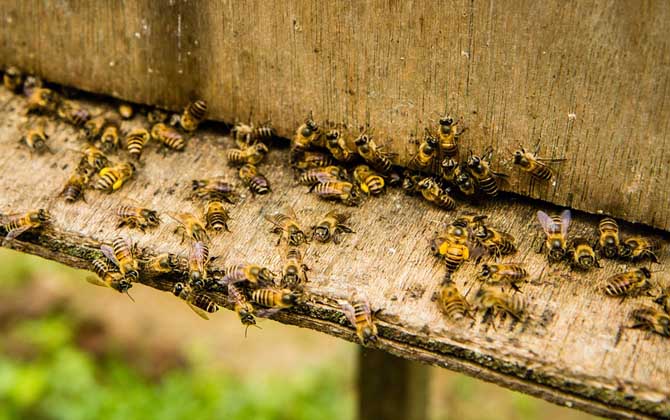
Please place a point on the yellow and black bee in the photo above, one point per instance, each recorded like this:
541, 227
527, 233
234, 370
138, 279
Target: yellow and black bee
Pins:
198, 258
448, 138
122, 255
320, 175
43, 101
253, 154
510, 273
12, 79
360, 315
533, 165
36, 140
126, 111
495, 242
135, 141
93, 128
168, 137
214, 189
432, 192
369, 181
108, 276
190, 226
243, 308
275, 298
110, 138
452, 303
194, 113
345, 192
74, 187
495, 301
373, 154
163, 263
307, 135
480, 169
294, 273
629, 283
449, 169
111, 178
310, 159
72, 113
556, 229
199, 303
137, 217
426, 157
651, 319
638, 248
35, 219
216, 216
246, 135
93, 160
250, 273
608, 241
331, 226
581, 254
410, 182
465, 182
337, 146
252, 178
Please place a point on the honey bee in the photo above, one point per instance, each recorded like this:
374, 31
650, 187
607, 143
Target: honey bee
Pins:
310, 159
111, 178
93, 128
122, 255
74, 188
137, 217
472, 221
651, 319
35, 219
36, 140
638, 248
582, 255
480, 169
155, 116
629, 283
272, 297
93, 160
163, 263
368, 180
216, 216
108, 277
199, 303
535, 166
346, 192
338, 147
251, 273
256, 181
214, 189
454, 255
448, 138
73, 114
608, 242
410, 182
432, 192
168, 137
495, 242
43, 101
426, 157
452, 303
360, 315
294, 271
450, 168
664, 300
126, 111
495, 301
135, 141
308, 134
253, 154
556, 229
465, 182
193, 115
243, 308
331, 226
12, 79
190, 226
321, 175
374, 155
246, 135
510, 273
198, 259
110, 137
32, 82
286, 225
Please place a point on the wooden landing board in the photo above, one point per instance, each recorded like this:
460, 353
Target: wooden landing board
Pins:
518, 72
574, 353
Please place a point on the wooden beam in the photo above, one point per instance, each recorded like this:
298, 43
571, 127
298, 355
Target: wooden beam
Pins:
565, 78
574, 353
391, 388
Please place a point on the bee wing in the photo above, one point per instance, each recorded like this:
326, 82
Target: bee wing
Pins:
271, 219
201, 313
566, 218
266, 313
348, 311
96, 281
109, 253
14, 234
546, 222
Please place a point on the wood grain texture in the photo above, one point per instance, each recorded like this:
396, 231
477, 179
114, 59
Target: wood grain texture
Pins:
575, 352
588, 81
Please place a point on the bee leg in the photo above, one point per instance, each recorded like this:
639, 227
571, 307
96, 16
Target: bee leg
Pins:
337, 237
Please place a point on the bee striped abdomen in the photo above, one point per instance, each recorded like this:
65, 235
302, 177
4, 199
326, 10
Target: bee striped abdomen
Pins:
216, 216
135, 142
205, 303
168, 136
264, 297
489, 186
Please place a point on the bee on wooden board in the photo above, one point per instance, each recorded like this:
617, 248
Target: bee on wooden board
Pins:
480, 169
137, 217
257, 182
331, 226
122, 255
43, 101
93, 128
509, 273
251, 273
307, 135
246, 135
242, 306
216, 216
450, 300
448, 138
310, 159
638, 248
199, 303
93, 160
36, 140
449, 169
163, 263
72, 113
629, 283
112, 178
321, 175
369, 181
465, 182
432, 192
426, 157
275, 298
294, 272
608, 241
126, 111
581, 254
168, 137
651, 319
12, 79
373, 154
110, 138
345, 192
194, 114
108, 276
74, 187
214, 189
475, 222
198, 258
190, 226
495, 242
252, 154
338, 147
410, 182
286, 225
32, 220
358, 312
494, 301
135, 141
536, 167
556, 229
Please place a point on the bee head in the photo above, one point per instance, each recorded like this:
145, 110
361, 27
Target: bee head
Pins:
480, 232
486, 271
42, 216
449, 164
431, 141
296, 236
586, 260
178, 288
362, 140
369, 335
446, 121
425, 183
246, 316
322, 233
150, 215
473, 161
435, 246
265, 275
518, 157
625, 250
556, 254
195, 278
332, 136
124, 285
290, 297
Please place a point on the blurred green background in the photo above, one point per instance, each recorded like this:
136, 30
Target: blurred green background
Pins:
70, 350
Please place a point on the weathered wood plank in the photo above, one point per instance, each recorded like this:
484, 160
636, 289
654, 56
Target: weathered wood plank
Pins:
514, 72
576, 353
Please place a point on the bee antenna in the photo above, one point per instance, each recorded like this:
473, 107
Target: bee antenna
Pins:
129, 296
